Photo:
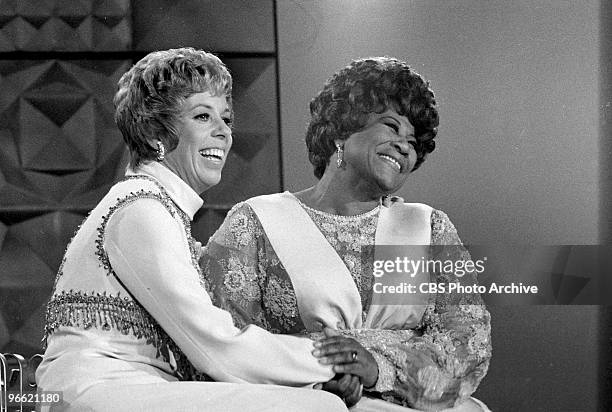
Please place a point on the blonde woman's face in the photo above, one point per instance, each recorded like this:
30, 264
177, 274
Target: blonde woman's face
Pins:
205, 138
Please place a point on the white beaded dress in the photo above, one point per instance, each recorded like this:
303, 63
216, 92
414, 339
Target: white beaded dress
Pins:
131, 327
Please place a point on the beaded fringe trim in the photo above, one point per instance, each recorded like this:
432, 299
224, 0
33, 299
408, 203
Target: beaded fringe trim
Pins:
105, 311
102, 311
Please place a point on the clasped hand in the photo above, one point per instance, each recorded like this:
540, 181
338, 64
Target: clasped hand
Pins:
353, 364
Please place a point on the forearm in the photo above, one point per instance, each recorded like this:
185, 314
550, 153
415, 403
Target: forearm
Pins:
159, 274
439, 363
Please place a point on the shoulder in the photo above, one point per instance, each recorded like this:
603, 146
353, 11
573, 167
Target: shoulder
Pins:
240, 213
420, 208
140, 201
133, 188
252, 208
412, 212
272, 202
141, 218
443, 231
239, 229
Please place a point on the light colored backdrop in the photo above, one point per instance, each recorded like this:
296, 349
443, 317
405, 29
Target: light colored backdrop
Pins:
517, 158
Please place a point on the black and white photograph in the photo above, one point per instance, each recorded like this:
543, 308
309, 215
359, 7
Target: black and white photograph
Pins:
306, 205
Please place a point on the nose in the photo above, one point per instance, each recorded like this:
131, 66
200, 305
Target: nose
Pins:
222, 130
402, 146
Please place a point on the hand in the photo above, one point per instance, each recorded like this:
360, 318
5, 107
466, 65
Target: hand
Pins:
348, 356
348, 387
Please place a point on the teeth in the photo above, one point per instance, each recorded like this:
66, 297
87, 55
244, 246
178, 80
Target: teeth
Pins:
218, 153
392, 160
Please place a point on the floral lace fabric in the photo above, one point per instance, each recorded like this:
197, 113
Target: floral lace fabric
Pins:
434, 365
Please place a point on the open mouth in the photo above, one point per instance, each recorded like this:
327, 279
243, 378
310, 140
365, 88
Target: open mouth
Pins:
392, 161
213, 154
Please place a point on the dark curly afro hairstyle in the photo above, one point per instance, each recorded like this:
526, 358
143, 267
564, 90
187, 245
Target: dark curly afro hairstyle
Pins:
371, 85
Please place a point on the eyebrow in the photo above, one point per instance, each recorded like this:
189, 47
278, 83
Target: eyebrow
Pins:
391, 118
208, 107
398, 121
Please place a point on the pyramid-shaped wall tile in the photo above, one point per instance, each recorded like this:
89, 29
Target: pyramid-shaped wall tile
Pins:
59, 130
34, 25
60, 150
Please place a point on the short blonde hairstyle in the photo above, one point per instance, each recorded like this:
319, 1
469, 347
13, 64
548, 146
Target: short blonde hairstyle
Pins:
150, 95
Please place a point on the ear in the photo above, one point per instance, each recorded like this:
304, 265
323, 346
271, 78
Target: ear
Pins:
153, 143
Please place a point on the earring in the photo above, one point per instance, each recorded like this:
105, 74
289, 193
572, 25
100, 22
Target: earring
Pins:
340, 155
161, 151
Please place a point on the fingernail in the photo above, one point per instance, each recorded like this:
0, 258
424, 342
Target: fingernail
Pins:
317, 344
316, 352
324, 361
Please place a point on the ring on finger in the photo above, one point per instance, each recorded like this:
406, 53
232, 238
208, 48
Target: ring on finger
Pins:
354, 356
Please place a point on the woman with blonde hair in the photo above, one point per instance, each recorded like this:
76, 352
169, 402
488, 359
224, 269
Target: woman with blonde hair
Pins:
129, 320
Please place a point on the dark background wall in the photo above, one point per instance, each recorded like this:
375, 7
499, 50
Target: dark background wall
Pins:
523, 150
605, 211
523, 140
60, 150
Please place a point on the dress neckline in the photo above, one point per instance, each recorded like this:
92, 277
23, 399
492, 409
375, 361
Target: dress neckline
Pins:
334, 216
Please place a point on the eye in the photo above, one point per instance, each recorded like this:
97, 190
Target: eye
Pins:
203, 116
392, 126
228, 121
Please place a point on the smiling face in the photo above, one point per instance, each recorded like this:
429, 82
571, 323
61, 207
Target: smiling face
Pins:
205, 138
381, 156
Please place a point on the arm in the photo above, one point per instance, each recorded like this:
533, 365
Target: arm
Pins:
230, 266
148, 251
238, 264
443, 360
245, 277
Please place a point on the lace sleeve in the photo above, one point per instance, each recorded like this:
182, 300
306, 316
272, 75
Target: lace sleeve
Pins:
230, 267
441, 362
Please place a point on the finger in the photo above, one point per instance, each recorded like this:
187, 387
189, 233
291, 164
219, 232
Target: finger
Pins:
344, 385
329, 340
352, 385
358, 390
355, 389
351, 368
339, 358
337, 347
331, 386
329, 332
351, 400
356, 383
349, 354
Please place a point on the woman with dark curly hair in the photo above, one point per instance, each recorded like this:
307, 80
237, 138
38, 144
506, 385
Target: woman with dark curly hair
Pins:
304, 262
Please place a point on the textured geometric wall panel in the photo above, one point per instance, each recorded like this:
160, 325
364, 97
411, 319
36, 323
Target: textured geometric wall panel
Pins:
61, 25
60, 150
60, 146
227, 25
59, 153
